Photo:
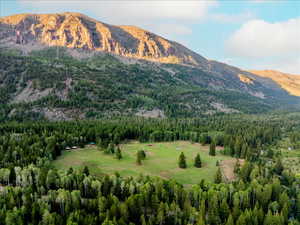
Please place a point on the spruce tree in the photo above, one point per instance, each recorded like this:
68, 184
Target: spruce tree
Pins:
86, 171
142, 154
198, 162
278, 166
118, 153
212, 149
138, 159
182, 161
230, 220
218, 176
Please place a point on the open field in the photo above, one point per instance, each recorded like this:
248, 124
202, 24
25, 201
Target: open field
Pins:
161, 160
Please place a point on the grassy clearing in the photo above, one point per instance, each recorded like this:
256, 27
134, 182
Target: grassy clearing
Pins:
291, 158
161, 160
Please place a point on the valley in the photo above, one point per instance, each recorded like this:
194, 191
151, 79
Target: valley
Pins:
103, 124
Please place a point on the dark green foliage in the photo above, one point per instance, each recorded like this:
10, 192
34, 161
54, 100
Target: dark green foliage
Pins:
32, 192
182, 161
118, 153
139, 158
198, 162
218, 176
142, 154
212, 149
86, 171
278, 166
110, 149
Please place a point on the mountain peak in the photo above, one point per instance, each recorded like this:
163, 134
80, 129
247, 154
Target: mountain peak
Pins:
76, 30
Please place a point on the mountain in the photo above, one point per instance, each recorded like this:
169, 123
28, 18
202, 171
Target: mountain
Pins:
65, 66
289, 82
75, 30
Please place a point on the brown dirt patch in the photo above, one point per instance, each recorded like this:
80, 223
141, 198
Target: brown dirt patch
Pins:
227, 167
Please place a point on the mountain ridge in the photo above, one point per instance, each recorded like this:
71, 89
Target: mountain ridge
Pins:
93, 69
76, 30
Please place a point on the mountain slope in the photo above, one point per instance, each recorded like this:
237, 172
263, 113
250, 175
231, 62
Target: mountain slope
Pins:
102, 69
289, 82
75, 30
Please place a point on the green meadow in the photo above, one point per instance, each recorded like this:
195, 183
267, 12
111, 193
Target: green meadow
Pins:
161, 160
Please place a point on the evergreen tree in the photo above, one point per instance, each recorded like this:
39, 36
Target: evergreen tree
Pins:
86, 171
198, 162
218, 176
138, 159
110, 149
12, 176
142, 154
230, 220
212, 149
182, 161
118, 153
278, 166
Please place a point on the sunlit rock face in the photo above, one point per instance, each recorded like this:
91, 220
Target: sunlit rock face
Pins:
75, 30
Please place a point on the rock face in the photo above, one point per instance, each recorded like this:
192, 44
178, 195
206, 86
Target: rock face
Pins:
290, 83
75, 30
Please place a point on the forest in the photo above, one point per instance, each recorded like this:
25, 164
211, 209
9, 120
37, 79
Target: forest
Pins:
265, 192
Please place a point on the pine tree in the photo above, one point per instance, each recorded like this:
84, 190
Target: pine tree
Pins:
86, 171
110, 149
212, 149
218, 176
138, 159
230, 220
142, 154
198, 162
182, 161
118, 153
278, 166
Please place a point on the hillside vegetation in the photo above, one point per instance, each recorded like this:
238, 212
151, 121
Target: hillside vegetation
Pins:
41, 86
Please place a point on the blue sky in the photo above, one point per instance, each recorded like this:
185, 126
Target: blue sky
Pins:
251, 34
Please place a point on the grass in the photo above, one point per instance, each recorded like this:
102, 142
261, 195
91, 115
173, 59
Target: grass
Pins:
290, 158
161, 160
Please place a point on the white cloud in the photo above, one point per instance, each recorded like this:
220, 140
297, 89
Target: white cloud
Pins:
268, 45
233, 18
287, 65
258, 39
167, 29
128, 11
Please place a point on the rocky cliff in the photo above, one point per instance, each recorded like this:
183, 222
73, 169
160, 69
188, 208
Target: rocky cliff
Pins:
76, 30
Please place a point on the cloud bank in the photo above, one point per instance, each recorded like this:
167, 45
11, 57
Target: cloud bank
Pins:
279, 41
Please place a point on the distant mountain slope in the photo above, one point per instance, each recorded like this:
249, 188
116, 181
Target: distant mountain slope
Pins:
64, 66
289, 82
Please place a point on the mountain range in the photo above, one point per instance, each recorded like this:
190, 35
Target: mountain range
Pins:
68, 65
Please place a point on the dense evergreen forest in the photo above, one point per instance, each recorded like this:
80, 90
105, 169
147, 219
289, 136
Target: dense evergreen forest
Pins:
33, 192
